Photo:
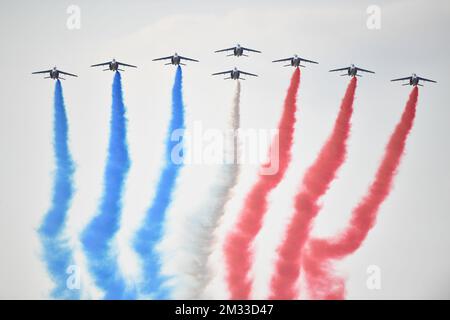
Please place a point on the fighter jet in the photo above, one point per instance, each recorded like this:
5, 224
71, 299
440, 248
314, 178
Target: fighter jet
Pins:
113, 65
54, 73
413, 80
352, 71
175, 59
295, 61
237, 51
235, 74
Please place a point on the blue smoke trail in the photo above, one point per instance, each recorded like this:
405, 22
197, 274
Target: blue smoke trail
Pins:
57, 253
153, 226
98, 235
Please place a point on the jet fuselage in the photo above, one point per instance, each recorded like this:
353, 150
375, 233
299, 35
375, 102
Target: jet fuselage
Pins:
113, 65
54, 74
414, 80
238, 51
296, 61
175, 60
352, 71
235, 74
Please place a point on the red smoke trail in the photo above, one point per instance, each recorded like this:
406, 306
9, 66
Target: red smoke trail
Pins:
237, 249
321, 284
315, 183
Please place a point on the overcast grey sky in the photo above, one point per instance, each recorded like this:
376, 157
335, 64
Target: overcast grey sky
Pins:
410, 242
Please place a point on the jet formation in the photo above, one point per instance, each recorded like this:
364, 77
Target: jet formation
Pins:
235, 74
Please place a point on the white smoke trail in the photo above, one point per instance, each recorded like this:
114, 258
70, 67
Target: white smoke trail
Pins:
193, 272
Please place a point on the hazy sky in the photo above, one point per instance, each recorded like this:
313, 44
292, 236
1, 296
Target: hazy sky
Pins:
410, 242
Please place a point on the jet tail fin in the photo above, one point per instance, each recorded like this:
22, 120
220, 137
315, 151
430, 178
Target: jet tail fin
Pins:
105, 70
230, 55
168, 64
287, 65
120, 69
241, 79
61, 78
405, 84
245, 55
183, 64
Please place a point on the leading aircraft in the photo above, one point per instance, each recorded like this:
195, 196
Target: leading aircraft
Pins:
54, 73
113, 65
237, 51
352, 71
235, 74
295, 61
413, 80
175, 59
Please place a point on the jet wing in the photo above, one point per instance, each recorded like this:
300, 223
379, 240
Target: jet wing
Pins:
340, 69
126, 65
45, 71
163, 58
223, 50
224, 72
252, 50
66, 73
364, 70
310, 61
281, 60
249, 74
400, 79
189, 59
423, 79
101, 64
